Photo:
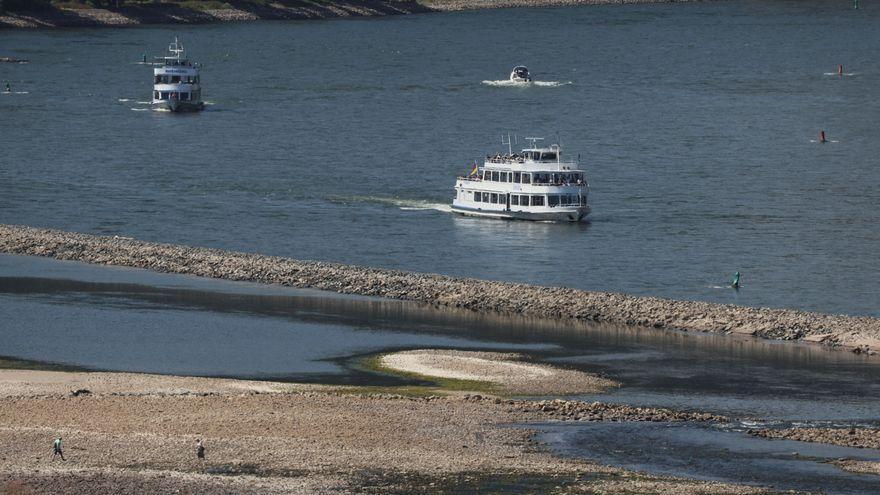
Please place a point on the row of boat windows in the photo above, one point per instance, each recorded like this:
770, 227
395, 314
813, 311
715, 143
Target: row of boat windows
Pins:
169, 79
534, 178
531, 199
177, 95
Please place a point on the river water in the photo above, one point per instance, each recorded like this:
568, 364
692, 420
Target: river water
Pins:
340, 140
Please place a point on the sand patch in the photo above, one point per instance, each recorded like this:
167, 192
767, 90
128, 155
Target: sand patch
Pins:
504, 370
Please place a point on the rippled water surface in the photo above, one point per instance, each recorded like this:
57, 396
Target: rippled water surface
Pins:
340, 140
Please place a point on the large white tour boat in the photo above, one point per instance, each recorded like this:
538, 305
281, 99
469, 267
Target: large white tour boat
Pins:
176, 85
535, 184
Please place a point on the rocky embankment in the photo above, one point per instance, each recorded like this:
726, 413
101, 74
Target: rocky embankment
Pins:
453, 5
861, 334
863, 438
168, 13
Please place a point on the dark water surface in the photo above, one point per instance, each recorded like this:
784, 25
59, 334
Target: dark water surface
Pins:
707, 452
340, 141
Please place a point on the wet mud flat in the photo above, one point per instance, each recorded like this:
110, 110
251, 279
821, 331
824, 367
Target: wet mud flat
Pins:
858, 333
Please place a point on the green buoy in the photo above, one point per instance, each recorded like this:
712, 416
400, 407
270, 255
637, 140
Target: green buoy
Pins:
735, 282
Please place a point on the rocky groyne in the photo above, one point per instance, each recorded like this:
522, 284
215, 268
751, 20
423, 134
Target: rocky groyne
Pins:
859, 333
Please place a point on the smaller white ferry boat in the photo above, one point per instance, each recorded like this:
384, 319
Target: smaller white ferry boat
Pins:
176, 84
534, 184
520, 74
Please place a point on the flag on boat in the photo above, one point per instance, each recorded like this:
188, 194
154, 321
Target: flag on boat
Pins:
474, 170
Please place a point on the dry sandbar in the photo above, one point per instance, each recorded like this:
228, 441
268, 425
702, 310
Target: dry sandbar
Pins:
504, 370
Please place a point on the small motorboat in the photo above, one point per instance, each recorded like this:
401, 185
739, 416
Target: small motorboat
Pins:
520, 74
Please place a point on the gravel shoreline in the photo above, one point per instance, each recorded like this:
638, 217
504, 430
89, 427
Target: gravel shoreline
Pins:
172, 14
859, 333
282, 10
135, 433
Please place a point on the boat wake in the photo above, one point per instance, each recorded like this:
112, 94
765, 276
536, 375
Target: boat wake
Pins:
838, 74
406, 204
507, 83
16, 92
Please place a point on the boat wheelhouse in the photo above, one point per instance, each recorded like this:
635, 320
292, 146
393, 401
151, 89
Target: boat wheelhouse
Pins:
535, 184
520, 74
176, 84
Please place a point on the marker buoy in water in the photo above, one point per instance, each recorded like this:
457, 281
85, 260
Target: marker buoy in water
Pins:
822, 137
839, 69
735, 282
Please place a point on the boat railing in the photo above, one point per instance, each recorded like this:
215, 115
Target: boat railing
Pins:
518, 160
475, 178
560, 183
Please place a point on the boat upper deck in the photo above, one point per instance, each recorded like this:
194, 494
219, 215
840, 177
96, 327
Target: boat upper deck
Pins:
531, 159
176, 62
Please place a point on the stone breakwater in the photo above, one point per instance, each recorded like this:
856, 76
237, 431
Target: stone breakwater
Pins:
860, 333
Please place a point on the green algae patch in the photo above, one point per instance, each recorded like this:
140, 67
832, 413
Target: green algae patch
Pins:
10, 363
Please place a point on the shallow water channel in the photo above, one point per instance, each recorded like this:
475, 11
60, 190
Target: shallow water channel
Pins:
131, 320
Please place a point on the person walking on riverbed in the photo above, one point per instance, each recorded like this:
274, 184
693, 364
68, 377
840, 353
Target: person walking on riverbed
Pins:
56, 447
200, 449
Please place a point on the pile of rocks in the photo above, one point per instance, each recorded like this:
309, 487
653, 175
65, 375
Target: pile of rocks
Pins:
865, 438
566, 410
862, 333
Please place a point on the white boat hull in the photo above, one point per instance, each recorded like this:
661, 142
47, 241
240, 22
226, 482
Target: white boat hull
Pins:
559, 215
178, 106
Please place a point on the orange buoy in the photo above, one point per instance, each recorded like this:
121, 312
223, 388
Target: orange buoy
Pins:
822, 137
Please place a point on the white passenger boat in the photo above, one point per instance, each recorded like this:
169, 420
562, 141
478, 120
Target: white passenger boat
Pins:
535, 184
176, 85
520, 74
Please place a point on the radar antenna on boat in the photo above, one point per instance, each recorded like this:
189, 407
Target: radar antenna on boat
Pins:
176, 48
509, 143
534, 140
